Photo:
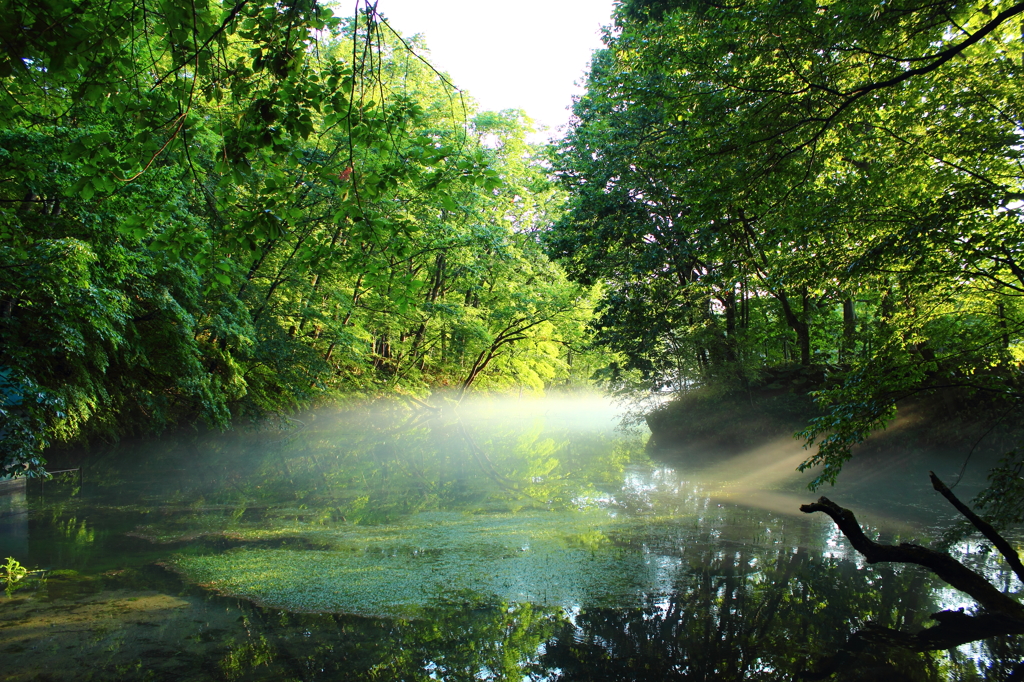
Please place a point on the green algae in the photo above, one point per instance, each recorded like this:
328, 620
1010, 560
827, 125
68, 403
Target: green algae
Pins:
552, 558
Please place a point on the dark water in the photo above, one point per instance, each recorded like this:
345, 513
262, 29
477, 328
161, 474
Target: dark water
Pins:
512, 540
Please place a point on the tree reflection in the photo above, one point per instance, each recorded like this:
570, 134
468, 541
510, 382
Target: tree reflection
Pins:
726, 620
361, 467
466, 641
731, 593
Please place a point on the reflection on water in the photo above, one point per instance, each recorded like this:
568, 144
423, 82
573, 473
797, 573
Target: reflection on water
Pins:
13, 519
507, 540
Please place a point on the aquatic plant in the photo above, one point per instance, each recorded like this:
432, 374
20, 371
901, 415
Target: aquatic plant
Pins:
11, 573
551, 558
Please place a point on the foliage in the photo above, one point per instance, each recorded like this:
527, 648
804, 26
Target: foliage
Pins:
1003, 500
222, 210
837, 186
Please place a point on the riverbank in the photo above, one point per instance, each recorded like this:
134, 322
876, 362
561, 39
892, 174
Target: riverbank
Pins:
715, 420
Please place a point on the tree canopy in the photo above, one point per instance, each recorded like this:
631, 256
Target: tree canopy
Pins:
835, 186
215, 210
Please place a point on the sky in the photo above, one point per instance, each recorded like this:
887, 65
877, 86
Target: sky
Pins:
509, 54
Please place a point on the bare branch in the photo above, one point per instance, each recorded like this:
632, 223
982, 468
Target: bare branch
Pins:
940, 563
997, 540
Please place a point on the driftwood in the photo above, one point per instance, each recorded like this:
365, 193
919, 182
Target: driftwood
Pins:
1000, 614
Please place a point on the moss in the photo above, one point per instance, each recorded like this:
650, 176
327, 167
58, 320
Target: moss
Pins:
70, 585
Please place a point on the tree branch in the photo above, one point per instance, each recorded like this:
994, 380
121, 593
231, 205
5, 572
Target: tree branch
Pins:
940, 563
941, 58
997, 540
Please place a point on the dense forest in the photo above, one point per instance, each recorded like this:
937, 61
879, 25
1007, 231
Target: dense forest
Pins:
827, 187
218, 212
228, 211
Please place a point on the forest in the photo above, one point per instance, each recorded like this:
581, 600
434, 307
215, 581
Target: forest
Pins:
220, 213
835, 188
217, 213
235, 211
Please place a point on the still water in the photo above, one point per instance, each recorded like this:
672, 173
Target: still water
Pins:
510, 539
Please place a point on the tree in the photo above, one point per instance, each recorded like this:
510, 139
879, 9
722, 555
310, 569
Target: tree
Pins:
833, 186
216, 211
999, 613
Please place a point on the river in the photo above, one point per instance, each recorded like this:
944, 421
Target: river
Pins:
511, 539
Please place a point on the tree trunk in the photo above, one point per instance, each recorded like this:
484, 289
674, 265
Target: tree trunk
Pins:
798, 323
744, 305
729, 303
1001, 314
849, 328
438, 284
803, 333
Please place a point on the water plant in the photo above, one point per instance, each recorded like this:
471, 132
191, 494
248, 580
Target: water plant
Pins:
402, 569
12, 572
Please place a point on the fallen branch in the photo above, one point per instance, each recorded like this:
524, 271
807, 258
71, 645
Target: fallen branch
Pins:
940, 563
997, 540
1001, 615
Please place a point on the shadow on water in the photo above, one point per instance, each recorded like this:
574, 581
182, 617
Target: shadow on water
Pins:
511, 540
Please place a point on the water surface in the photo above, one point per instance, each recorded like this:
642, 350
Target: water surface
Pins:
507, 539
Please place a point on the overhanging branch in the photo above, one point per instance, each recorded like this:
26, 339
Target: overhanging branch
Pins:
990, 533
940, 563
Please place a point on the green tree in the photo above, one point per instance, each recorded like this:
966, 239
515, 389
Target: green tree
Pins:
215, 211
835, 186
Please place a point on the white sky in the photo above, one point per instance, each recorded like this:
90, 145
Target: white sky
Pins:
509, 54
